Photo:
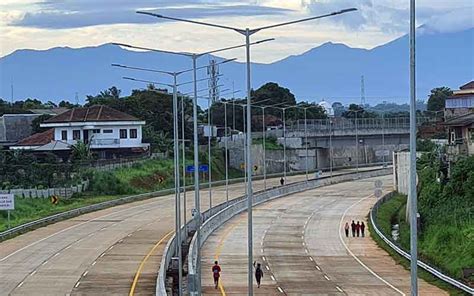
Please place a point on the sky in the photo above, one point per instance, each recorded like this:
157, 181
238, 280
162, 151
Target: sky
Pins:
43, 24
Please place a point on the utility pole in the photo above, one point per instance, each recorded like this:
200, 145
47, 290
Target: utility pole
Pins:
362, 91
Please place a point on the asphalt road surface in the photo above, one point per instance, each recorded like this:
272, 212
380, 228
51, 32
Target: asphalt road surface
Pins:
300, 242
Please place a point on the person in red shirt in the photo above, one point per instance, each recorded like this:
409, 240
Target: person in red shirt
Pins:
216, 273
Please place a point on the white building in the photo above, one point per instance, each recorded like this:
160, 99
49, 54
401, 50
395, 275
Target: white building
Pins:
110, 133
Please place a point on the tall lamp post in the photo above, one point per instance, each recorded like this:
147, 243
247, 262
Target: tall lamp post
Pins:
412, 184
195, 57
247, 33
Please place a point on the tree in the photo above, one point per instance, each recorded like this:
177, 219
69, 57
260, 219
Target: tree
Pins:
437, 98
359, 110
80, 152
66, 104
35, 125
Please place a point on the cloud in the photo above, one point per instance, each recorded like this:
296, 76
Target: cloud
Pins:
453, 21
74, 14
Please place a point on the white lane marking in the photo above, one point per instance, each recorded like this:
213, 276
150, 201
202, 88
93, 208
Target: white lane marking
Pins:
93, 263
354, 256
77, 284
57, 254
67, 247
86, 272
310, 258
261, 250
129, 235
101, 255
279, 289
120, 241
317, 267
74, 226
20, 284
262, 257
111, 247
273, 278
339, 289
266, 266
306, 250
44, 263
326, 277
91, 234
302, 231
33, 273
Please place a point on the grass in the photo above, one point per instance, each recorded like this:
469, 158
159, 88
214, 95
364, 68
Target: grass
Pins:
270, 143
104, 186
393, 212
30, 209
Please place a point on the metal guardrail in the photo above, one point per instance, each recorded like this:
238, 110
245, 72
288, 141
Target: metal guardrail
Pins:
107, 204
224, 212
433, 271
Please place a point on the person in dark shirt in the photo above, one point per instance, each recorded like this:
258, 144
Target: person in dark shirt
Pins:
353, 228
362, 229
216, 273
358, 228
258, 274
282, 181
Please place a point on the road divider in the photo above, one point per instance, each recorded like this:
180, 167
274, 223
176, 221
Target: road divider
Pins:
218, 215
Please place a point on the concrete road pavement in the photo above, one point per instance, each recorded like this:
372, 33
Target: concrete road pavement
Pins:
99, 253
300, 242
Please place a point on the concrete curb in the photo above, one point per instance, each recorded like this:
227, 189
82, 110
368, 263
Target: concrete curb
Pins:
224, 212
400, 251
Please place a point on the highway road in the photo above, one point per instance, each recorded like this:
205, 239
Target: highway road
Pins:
300, 243
112, 251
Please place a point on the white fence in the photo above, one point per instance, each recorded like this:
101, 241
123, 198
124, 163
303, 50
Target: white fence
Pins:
64, 192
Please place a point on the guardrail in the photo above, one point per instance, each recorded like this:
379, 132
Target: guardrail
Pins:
400, 251
226, 211
107, 204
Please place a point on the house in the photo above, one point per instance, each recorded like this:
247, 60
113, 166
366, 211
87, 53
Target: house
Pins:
461, 102
108, 132
461, 135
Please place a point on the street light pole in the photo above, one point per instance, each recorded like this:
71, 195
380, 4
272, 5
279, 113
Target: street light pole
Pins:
209, 174
247, 33
184, 168
226, 156
412, 184
306, 141
264, 136
284, 144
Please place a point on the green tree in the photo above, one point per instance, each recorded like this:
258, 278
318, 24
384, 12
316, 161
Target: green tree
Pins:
80, 152
437, 98
35, 125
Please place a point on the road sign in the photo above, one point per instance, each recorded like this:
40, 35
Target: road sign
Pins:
54, 199
378, 183
7, 201
189, 169
242, 166
161, 179
203, 168
255, 168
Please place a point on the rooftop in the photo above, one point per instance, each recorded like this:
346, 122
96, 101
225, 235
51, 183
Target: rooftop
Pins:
38, 139
93, 113
462, 120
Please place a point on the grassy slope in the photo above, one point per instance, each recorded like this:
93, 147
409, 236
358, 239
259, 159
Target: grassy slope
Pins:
111, 185
393, 211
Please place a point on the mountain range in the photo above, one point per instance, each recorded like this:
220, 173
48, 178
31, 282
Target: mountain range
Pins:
331, 71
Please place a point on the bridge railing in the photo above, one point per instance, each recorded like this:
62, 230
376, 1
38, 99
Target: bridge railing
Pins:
236, 206
349, 124
435, 272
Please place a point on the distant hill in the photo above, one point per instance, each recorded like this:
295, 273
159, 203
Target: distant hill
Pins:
327, 71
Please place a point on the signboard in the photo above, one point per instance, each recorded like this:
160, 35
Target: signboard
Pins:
203, 168
7, 201
189, 169
54, 200
382, 153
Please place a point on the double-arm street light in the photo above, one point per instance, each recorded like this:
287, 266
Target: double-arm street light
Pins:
247, 33
197, 201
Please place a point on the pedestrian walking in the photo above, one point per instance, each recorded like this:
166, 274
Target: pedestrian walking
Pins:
353, 228
346, 228
282, 181
216, 273
358, 228
362, 229
258, 274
